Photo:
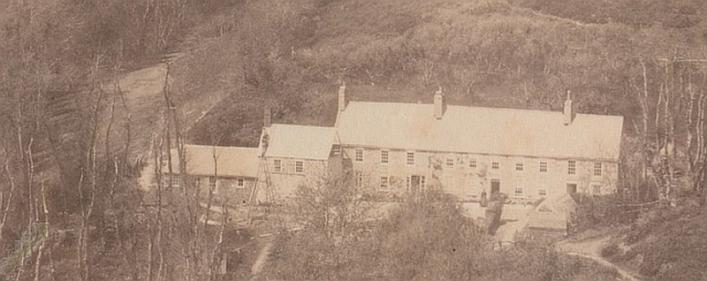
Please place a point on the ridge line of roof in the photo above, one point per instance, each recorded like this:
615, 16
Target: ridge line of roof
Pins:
298, 125
482, 107
220, 146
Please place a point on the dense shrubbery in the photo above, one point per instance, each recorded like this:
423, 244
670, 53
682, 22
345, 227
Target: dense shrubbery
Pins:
426, 239
602, 211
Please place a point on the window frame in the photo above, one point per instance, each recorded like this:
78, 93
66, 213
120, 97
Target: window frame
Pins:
542, 167
495, 165
598, 169
358, 154
358, 178
299, 167
240, 183
571, 167
519, 167
410, 158
385, 157
277, 165
518, 188
596, 187
174, 180
384, 183
472, 163
542, 192
449, 162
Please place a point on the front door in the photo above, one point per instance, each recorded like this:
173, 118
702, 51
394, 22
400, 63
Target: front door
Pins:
495, 186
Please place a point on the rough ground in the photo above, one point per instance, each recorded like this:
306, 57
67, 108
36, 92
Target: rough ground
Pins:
590, 248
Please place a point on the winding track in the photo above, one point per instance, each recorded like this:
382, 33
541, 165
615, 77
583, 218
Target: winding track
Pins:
591, 249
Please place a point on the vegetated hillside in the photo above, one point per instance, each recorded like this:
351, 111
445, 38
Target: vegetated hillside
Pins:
492, 53
664, 244
678, 14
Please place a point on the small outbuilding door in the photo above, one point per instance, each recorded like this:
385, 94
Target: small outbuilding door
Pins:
571, 188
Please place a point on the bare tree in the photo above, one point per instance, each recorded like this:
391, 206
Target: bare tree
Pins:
6, 204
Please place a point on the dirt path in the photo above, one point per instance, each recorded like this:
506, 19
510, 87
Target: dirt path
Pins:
554, 18
591, 249
261, 260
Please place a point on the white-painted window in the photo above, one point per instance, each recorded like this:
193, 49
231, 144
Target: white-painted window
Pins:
542, 192
174, 180
596, 189
597, 168
450, 162
519, 191
277, 164
543, 167
519, 166
358, 175
384, 156
472, 163
240, 183
359, 155
571, 167
495, 165
410, 158
384, 183
299, 167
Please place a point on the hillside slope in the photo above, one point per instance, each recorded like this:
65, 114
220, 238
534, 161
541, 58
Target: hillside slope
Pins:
492, 53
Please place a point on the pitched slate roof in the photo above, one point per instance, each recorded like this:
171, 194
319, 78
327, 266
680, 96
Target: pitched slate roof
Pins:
231, 161
500, 131
303, 142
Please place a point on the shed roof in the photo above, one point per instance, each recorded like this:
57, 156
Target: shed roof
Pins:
552, 213
297, 141
231, 161
485, 130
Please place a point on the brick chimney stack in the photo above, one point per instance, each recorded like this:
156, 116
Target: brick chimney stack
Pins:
440, 105
267, 117
342, 97
568, 110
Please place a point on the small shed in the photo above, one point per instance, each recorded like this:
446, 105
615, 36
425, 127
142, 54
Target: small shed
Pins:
554, 213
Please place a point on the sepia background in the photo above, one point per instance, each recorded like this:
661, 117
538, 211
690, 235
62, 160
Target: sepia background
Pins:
99, 98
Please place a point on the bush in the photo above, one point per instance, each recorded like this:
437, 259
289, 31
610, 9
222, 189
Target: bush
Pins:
610, 250
593, 211
428, 238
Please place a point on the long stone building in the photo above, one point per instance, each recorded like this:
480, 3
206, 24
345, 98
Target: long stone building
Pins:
397, 148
